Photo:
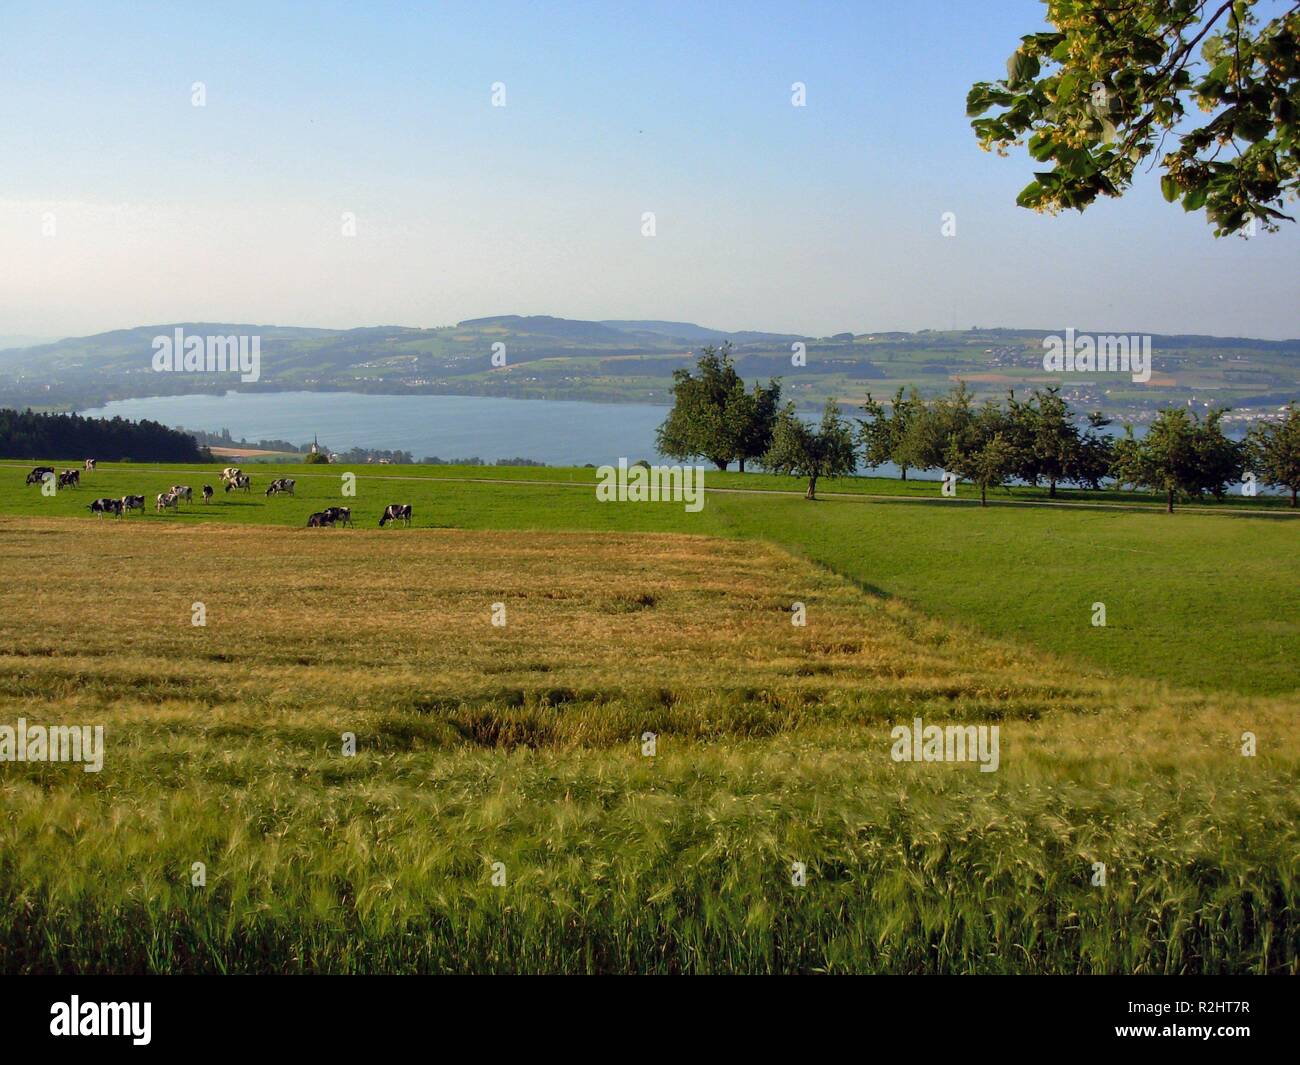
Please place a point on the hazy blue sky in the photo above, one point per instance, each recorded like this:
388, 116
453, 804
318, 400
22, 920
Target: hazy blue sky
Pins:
812, 220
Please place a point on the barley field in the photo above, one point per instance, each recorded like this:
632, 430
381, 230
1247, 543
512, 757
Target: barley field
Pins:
623, 777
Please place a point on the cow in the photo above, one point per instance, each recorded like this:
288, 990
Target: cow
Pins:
281, 484
165, 500
39, 474
396, 512
207, 493
231, 473
341, 515
101, 507
240, 480
90, 464
183, 491
69, 479
320, 520
133, 503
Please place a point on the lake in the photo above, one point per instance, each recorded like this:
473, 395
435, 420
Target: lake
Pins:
557, 432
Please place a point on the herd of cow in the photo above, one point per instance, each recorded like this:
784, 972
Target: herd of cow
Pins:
231, 478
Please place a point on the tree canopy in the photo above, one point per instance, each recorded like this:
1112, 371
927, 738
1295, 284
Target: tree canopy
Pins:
713, 417
799, 449
1114, 80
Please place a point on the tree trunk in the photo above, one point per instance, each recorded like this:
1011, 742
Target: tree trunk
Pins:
1293, 494
812, 488
1051, 491
903, 470
984, 495
721, 464
1169, 502
741, 460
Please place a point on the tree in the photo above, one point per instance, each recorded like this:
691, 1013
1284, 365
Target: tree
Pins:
802, 451
1095, 453
1179, 456
883, 435
712, 417
982, 451
1273, 452
1219, 461
1045, 438
930, 427
1104, 89
754, 418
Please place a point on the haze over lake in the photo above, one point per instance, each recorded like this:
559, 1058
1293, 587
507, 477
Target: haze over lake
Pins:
557, 432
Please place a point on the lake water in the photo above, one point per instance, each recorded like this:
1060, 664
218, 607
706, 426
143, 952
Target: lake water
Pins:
557, 432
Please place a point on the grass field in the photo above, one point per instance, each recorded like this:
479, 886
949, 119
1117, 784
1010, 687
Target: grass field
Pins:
1203, 599
521, 745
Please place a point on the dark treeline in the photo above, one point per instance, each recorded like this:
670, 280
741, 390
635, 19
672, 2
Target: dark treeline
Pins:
28, 435
225, 439
433, 460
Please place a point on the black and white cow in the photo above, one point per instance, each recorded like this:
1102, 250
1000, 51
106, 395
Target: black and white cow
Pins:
341, 515
207, 493
90, 464
38, 475
132, 503
231, 473
320, 520
183, 491
281, 484
240, 480
100, 507
70, 479
165, 500
396, 512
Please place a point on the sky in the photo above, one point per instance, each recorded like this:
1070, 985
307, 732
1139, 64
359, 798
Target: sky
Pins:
123, 204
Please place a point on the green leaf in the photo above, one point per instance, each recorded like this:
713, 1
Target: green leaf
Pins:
1169, 188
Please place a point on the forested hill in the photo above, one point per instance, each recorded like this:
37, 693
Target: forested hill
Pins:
633, 360
72, 438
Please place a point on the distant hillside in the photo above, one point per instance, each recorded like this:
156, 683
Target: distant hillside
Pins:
632, 360
689, 331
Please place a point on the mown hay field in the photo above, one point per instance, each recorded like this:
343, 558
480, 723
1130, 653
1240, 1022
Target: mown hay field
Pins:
502, 813
1200, 600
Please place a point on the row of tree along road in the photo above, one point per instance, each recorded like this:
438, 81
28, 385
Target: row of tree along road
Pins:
1037, 440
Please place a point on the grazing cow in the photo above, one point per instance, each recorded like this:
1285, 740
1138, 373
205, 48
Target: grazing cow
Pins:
69, 479
207, 493
90, 464
281, 484
100, 507
341, 515
230, 473
396, 512
38, 475
320, 520
183, 491
165, 500
133, 503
